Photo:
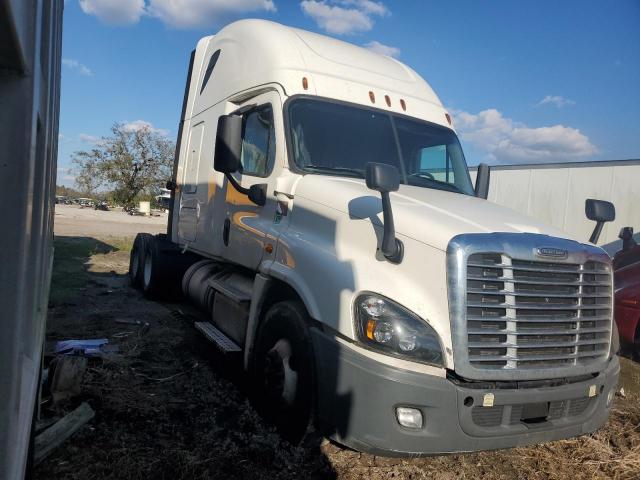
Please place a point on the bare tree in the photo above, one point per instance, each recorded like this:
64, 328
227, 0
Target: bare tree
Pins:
130, 162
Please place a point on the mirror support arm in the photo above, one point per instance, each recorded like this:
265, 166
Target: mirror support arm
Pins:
596, 232
257, 193
236, 185
391, 248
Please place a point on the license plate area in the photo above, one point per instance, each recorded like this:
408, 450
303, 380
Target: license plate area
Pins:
535, 413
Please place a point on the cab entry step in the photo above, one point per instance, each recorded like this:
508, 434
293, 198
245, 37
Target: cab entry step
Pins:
218, 338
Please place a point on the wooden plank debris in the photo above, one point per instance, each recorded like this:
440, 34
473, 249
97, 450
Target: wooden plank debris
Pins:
56, 435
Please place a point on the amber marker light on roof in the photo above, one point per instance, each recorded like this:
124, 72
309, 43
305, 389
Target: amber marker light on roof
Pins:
372, 97
388, 100
403, 105
448, 117
305, 83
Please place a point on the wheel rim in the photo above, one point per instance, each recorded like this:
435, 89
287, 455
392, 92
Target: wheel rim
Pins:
281, 381
147, 270
135, 263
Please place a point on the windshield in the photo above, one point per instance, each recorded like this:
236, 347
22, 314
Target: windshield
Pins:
340, 139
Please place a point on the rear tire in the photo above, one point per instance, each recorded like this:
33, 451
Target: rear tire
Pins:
284, 371
136, 259
154, 270
163, 266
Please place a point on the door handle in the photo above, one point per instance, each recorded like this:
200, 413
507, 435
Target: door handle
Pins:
225, 231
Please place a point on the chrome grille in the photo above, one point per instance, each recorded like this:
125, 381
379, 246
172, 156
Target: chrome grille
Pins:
519, 314
533, 314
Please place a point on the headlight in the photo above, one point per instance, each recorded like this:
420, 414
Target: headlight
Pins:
386, 326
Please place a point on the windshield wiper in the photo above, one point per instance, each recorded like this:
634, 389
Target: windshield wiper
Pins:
439, 183
335, 170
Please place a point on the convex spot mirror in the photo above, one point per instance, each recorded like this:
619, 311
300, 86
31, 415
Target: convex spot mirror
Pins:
382, 177
600, 211
228, 144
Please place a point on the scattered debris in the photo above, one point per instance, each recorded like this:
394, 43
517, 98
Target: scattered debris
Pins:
144, 326
43, 424
68, 371
621, 393
83, 347
54, 436
195, 365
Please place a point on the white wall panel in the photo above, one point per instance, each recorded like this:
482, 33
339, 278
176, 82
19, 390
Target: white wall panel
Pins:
556, 194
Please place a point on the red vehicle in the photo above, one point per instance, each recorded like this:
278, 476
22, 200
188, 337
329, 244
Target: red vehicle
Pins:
626, 265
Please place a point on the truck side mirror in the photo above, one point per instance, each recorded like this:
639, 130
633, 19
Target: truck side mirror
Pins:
599, 211
482, 181
227, 156
228, 144
385, 178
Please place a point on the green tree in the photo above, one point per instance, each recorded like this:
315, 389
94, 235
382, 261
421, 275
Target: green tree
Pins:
130, 162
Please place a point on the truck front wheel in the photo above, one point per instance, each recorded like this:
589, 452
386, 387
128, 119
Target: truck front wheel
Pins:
283, 369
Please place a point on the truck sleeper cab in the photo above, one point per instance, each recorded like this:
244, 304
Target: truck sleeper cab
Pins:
323, 216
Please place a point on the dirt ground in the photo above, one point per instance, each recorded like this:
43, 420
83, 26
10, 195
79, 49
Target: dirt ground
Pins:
169, 407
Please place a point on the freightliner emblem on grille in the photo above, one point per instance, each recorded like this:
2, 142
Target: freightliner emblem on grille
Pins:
552, 252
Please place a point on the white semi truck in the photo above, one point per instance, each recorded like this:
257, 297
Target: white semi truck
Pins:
336, 242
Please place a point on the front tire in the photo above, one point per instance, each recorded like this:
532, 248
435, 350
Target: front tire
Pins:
284, 371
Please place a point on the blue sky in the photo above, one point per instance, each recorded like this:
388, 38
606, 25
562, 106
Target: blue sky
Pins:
527, 83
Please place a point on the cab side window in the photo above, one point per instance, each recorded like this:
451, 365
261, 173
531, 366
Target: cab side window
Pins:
258, 142
434, 161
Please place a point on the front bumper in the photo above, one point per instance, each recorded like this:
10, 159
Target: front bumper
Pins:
357, 397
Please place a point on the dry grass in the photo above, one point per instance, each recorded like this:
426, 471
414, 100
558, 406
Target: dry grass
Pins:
168, 408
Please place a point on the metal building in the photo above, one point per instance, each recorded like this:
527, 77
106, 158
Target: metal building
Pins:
30, 52
555, 193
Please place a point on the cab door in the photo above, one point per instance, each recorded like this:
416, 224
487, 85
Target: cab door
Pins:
248, 232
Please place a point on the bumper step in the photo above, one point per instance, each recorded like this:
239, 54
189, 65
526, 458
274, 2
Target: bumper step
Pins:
219, 339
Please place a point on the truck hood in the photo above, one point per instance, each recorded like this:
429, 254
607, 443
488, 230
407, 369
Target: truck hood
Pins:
427, 215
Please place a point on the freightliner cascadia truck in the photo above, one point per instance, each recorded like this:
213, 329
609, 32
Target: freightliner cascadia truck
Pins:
324, 218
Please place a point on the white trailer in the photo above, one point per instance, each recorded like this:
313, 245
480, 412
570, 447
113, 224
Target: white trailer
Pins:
30, 55
343, 251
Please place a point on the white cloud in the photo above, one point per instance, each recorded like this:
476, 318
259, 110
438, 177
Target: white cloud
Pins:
65, 174
77, 66
382, 49
557, 100
203, 13
114, 12
142, 124
86, 138
368, 6
507, 141
343, 17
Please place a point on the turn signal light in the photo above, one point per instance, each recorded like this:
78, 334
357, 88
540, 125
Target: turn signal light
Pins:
371, 326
